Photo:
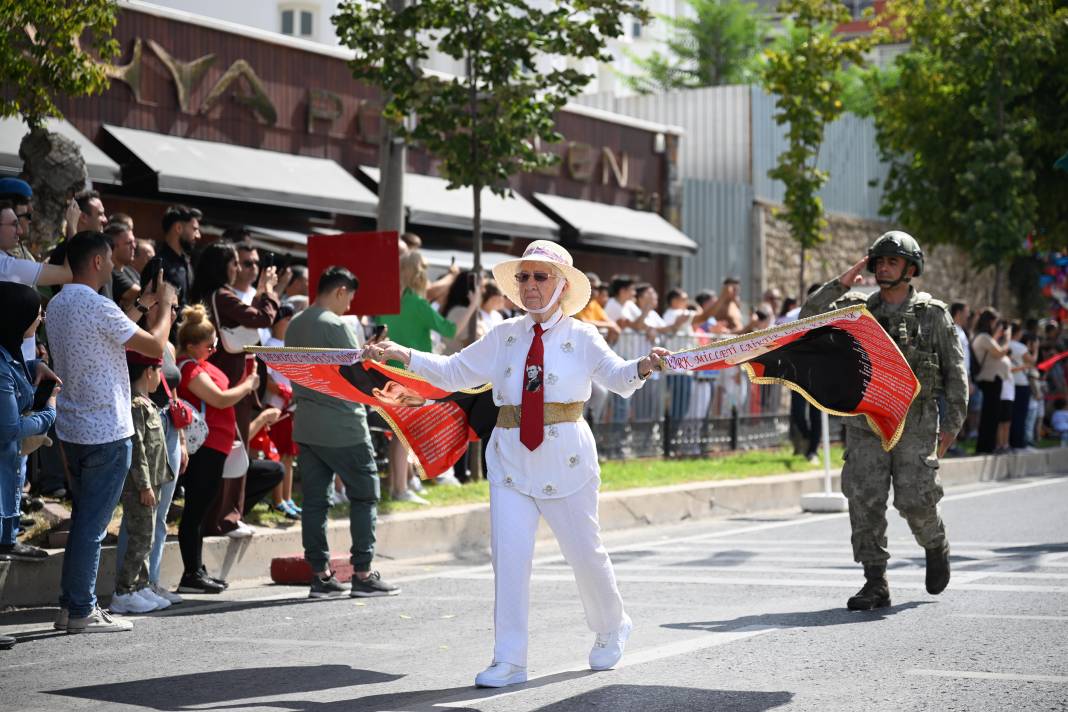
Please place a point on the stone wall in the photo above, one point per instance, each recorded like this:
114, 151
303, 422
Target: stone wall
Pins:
948, 273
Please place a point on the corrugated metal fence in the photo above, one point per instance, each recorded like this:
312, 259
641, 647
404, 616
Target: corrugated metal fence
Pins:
849, 153
718, 217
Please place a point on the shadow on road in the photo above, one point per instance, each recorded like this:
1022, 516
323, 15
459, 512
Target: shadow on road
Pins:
661, 698
212, 690
798, 619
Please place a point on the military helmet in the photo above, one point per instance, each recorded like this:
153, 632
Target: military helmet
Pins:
896, 243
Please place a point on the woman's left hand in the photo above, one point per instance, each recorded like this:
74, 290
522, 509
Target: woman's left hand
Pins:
653, 362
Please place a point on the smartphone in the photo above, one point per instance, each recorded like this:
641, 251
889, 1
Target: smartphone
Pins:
43, 393
379, 332
152, 271
268, 260
471, 277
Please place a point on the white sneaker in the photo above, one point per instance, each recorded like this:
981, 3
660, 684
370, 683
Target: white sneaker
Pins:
99, 621
447, 480
129, 603
243, 531
409, 496
501, 675
165, 594
62, 619
415, 484
158, 601
608, 647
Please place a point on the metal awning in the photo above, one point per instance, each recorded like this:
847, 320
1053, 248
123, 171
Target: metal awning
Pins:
431, 203
616, 227
186, 166
101, 168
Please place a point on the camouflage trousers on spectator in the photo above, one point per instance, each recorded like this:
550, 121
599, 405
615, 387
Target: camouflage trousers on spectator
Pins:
911, 467
140, 522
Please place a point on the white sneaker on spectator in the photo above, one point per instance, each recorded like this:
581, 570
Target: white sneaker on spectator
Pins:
409, 496
99, 621
129, 603
447, 480
243, 531
415, 484
164, 593
62, 618
158, 601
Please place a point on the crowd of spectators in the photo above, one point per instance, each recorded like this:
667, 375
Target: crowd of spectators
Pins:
137, 389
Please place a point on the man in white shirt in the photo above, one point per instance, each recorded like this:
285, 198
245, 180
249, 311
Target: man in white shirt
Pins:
620, 293
25, 272
88, 336
960, 313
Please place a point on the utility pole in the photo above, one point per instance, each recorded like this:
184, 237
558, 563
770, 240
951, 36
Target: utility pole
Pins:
392, 160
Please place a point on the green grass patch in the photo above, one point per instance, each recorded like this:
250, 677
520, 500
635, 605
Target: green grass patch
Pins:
615, 475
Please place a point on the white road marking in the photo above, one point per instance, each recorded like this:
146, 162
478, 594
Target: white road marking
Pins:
975, 675
965, 585
1013, 617
892, 573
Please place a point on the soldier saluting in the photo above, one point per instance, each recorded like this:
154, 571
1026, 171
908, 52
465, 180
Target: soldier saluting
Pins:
922, 328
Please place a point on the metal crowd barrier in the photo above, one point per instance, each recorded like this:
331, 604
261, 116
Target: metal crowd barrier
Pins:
686, 414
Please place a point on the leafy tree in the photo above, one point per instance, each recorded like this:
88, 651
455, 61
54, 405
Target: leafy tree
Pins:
804, 74
483, 126
962, 126
46, 53
717, 45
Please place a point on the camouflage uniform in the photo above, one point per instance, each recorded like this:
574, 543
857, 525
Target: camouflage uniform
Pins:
148, 468
921, 327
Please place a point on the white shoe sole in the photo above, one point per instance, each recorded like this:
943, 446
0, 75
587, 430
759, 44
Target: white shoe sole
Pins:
515, 679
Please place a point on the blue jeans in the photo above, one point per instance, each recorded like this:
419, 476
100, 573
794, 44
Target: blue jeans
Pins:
166, 494
97, 473
9, 522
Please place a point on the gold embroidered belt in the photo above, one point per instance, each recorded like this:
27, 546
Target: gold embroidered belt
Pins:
508, 415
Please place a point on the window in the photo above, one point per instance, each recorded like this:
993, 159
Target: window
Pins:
298, 22
636, 30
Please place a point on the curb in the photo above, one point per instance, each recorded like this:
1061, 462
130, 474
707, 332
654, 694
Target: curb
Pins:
460, 530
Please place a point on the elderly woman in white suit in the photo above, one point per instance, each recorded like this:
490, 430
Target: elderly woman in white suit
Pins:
543, 466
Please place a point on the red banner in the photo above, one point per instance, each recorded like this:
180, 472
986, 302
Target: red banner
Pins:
437, 425
843, 362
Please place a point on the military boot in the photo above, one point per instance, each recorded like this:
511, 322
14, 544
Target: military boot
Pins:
875, 592
937, 569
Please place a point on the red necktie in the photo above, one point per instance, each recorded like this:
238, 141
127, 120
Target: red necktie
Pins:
532, 413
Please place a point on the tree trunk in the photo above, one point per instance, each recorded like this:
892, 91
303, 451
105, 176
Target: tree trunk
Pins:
54, 168
475, 461
392, 157
801, 277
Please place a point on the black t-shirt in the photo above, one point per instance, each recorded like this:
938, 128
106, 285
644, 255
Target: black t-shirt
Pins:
122, 280
178, 270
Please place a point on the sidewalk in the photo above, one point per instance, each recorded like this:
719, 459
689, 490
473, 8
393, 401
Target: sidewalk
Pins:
463, 529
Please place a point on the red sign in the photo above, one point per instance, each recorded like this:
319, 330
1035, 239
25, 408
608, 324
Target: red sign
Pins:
371, 256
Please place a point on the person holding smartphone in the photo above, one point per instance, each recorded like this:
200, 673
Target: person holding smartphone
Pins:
20, 416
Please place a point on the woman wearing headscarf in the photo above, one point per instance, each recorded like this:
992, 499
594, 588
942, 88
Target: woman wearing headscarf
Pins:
542, 459
22, 314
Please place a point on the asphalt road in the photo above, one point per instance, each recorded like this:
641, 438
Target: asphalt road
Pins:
746, 613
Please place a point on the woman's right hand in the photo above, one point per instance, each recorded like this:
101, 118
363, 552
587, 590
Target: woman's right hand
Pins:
252, 382
388, 351
55, 394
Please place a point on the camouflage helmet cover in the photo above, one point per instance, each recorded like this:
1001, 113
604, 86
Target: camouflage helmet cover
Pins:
896, 243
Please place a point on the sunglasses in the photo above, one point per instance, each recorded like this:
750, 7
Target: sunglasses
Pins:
28, 217
522, 277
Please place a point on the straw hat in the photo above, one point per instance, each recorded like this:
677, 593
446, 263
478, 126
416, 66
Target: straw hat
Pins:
572, 301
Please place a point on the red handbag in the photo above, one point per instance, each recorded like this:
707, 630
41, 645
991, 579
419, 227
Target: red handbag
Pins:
182, 414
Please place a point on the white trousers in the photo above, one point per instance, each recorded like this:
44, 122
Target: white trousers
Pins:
573, 519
